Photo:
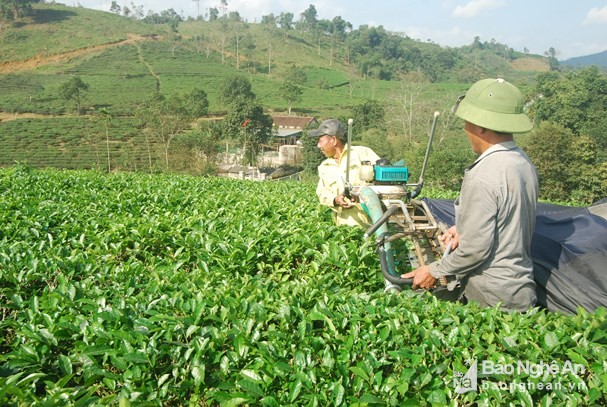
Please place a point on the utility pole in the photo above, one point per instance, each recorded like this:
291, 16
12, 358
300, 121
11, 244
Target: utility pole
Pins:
197, 9
237, 53
270, 59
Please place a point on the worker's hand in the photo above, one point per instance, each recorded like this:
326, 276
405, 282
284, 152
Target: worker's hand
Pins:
452, 236
421, 278
343, 201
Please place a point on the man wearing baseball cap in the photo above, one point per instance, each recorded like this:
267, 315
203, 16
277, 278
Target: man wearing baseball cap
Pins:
332, 141
495, 211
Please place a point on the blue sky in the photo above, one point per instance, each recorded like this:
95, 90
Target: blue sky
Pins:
572, 27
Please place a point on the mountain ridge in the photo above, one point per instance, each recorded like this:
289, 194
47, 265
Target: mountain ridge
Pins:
599, 59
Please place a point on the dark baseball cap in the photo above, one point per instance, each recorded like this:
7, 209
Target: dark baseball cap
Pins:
331, 127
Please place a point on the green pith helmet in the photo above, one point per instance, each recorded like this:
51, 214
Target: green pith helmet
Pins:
496, 105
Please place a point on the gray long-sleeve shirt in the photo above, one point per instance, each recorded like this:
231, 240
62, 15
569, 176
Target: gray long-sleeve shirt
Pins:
495, 218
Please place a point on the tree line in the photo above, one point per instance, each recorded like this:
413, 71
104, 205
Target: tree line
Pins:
567, 145
375, 52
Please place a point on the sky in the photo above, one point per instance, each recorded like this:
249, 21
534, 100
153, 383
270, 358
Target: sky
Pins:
572, 27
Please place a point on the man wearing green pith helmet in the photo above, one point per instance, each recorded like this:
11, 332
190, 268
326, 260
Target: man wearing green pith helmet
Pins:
495, 211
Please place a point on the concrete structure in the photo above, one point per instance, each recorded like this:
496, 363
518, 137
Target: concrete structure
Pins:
290, 128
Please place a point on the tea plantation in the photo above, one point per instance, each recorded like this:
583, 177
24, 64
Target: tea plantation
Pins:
175, 290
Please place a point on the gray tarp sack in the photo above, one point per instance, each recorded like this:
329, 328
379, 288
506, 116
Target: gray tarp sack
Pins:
569, 251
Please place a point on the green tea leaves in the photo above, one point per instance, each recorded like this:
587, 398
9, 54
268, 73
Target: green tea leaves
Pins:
167, 290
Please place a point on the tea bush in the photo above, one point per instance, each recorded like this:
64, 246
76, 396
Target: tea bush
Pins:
173, 290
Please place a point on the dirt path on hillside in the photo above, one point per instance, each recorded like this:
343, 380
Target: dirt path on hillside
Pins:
4, 116
41, 60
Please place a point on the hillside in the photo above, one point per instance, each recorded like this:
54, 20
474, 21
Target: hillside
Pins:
598, 59
124, 61
54, 29
58, 41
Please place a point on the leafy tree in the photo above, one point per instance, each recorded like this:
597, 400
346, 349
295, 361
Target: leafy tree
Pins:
250, 126
12, 10
234, 89
234, 16
588, 171
74, 89
285, 21
201, 147
136, 11
312, 156
164, 117
213, 14
575, 99
325, 27
549, 148
290, 92
169, 17
115, 8
552, 61
377, 140
570, 166
247, 47
269, 20
477, 43
309, 17
447, 162
370, 66
224, 6
296, 75
340, 28
369, 115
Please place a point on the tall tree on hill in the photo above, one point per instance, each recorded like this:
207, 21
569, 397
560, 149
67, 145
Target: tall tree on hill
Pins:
339, 32
269, 20
290, 92
74, 89
368, 115
407, 107
235, 88
250, 126
552, 61
309, 18
246, 123
223, 30
213, 14
200, 148
247, 47
12, 10
296, 75
575, 99
285, 21
224, 7
136, 11
164, 117
115, 7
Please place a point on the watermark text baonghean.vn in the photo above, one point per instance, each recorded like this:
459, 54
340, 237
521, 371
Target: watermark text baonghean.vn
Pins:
525, 375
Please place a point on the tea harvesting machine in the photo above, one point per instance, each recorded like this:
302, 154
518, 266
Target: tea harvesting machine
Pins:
391, 203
